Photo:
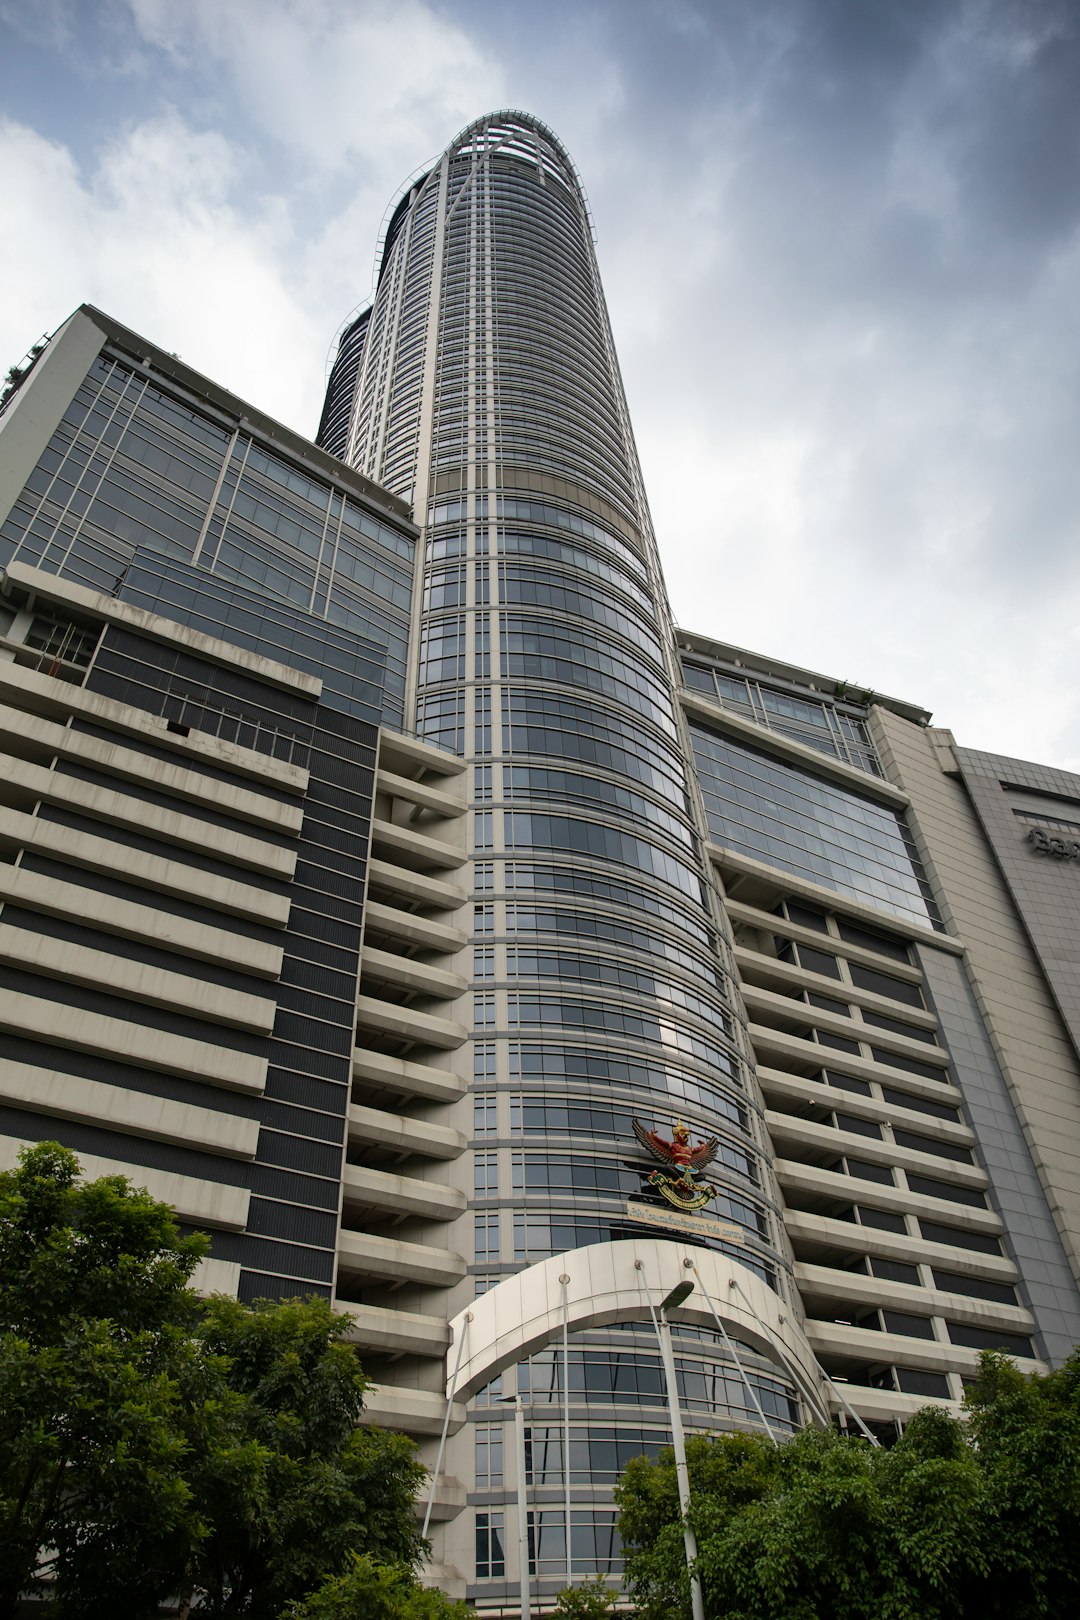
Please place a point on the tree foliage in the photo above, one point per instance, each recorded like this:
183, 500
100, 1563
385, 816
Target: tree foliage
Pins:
591, 1599
322, 1485
372, 1591
977, 1517
156, 1446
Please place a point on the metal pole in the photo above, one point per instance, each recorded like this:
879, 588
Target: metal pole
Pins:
873, 1439
734, 1354
437, 1470
565, 1281
524, 1584
678, 1442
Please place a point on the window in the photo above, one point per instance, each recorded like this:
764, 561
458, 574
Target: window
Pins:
977, 1338
489, 1457
486, 1238
884, 944
789, 817
884, 984
914, 1382
485, 1114
594, 1542
490, 1552
928, 1144
818, 961
486, 1175
919, 1105
895, 1271
882, 1220
951, 1282
869, 1172
929, 1188
977, 1242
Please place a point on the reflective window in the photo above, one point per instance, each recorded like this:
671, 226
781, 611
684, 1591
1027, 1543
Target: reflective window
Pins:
523, 831
631, 1025
815, 722
597, 1455
776, 813
599, 1069
595, 1544
635, 1378
544, 1116
490, 1546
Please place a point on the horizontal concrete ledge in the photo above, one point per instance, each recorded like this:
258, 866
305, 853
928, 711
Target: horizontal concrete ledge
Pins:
130, 920
154, 872
375, 1327
361, 1254
778, 1042
825, 1284
406, 1195
768, 1004
852, 1238
204, 1203
216, 1277
403, 754
439, 802
58, 699
790, 1129
406, 925
449, 1500
894, 1349
788, 883
408, 1079
761, 966
57, 1025
138, 981
52, 588
426, 851
187, 831
796, 1088
94, 1102
408, 1023
413, 1411
128, 764
388, 968
882, 1405
405, 1134
741, 912
395, 879
833, 1184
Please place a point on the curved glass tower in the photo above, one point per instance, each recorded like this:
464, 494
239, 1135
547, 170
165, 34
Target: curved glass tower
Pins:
488, 394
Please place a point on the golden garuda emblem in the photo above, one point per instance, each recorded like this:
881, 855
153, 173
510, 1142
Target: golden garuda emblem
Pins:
680, 1183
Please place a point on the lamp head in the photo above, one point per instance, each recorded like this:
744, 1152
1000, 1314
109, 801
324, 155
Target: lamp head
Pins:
678, 1294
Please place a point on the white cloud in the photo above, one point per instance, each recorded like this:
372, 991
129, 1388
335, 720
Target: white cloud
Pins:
382, 82
152, 234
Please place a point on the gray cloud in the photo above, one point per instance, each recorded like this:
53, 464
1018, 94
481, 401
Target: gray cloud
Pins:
840, 240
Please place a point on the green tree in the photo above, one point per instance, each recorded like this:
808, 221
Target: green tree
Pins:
96, 1365
369, 1590
325, 1487
961, 1518
153, 1444
591, 1599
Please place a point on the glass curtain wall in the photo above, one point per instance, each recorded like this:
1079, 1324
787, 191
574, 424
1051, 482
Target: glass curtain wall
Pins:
490, 396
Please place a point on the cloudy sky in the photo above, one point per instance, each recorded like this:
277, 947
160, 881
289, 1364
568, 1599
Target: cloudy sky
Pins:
840, 241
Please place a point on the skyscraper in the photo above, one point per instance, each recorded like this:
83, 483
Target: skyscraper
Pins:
408, 1019
701, 888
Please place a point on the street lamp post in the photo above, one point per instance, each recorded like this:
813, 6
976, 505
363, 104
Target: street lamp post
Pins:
667, 1356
